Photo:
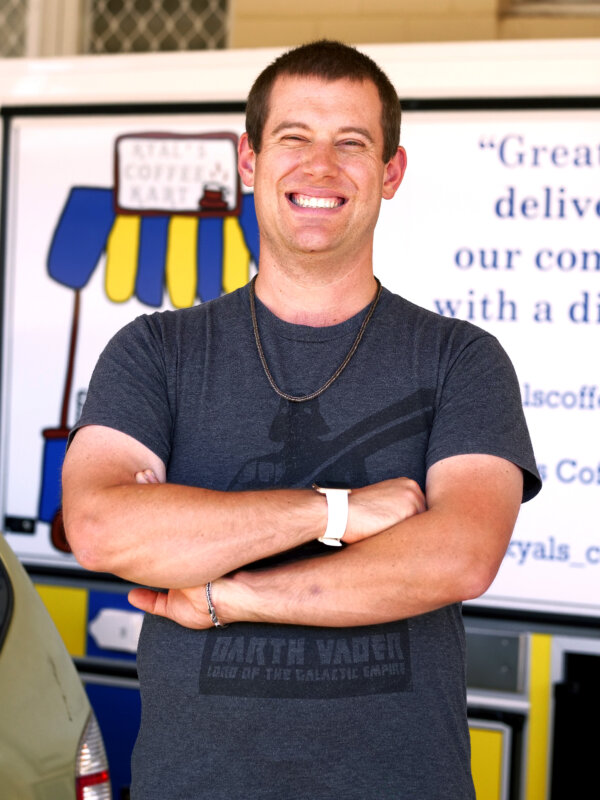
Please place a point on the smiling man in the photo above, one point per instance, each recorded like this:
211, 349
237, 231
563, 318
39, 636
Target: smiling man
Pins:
321, 177
307, 472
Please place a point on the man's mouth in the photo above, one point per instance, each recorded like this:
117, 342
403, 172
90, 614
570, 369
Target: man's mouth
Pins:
308, 201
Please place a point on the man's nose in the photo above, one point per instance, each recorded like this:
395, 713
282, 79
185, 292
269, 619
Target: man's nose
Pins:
321, 160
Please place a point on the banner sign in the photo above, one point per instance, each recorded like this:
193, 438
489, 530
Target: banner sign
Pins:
110, 215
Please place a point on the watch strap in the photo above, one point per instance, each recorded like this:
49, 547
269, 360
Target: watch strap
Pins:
337, 515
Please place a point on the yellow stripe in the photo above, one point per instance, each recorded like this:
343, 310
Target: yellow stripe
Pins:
122, 258
236, 256
486, 762
539, 717
68, 608
181, 261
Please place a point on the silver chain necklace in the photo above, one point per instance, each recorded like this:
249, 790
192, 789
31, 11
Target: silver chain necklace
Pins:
339, 370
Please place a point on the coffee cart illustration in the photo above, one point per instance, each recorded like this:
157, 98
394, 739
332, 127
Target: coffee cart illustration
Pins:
175, 229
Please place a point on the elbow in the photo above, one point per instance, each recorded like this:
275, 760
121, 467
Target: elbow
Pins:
87, 541
465, 576
477, 575
89, 558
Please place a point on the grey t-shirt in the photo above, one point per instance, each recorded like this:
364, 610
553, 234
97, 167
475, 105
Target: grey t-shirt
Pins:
274, 711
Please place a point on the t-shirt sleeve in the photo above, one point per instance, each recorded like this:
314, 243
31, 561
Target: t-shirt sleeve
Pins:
129, 391
479, 410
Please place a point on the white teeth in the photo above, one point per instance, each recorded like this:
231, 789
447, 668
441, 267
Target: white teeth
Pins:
316, 202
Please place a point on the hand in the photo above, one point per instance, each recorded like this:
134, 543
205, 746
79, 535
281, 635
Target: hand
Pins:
187, 607
146, 476
375, 508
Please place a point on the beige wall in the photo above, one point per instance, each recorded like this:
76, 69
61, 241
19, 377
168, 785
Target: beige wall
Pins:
277, 23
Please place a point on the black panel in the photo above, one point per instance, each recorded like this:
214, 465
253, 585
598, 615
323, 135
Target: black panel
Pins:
577, 710
494, 661
24, 525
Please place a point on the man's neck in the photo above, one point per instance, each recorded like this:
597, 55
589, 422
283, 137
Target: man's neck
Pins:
317, 299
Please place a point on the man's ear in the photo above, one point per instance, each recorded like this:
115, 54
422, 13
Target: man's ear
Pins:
394, 172
246, 160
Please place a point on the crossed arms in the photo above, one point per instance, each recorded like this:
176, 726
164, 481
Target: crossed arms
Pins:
406, 555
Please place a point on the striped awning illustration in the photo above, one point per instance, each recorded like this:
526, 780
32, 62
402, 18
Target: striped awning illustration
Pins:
190, 257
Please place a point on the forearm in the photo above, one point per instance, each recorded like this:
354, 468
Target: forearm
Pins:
173, 536
122, 517
401, 573
447, 554
359, 585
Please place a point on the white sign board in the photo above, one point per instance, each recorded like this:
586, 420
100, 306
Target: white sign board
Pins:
497, 222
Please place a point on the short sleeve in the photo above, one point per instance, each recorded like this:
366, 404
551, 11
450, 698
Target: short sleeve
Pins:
479, 410
129, 388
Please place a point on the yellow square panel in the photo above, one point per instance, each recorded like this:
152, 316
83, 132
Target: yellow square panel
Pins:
68, 608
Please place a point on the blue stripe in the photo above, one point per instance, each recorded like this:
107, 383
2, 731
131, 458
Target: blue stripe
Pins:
150, 279
80, 236
210, 258
249, 226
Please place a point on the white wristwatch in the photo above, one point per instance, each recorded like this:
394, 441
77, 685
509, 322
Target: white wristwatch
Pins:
337, 514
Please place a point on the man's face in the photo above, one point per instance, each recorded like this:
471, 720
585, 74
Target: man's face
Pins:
319, 177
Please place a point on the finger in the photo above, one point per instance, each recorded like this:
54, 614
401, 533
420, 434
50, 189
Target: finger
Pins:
421, 503
419, 507
146, 476
418, 498
149, 600
173, 605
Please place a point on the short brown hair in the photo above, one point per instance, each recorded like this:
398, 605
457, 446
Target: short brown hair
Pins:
331, 61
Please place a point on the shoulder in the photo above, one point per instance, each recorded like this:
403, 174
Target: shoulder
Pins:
171, 324
406, 312
427, 333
